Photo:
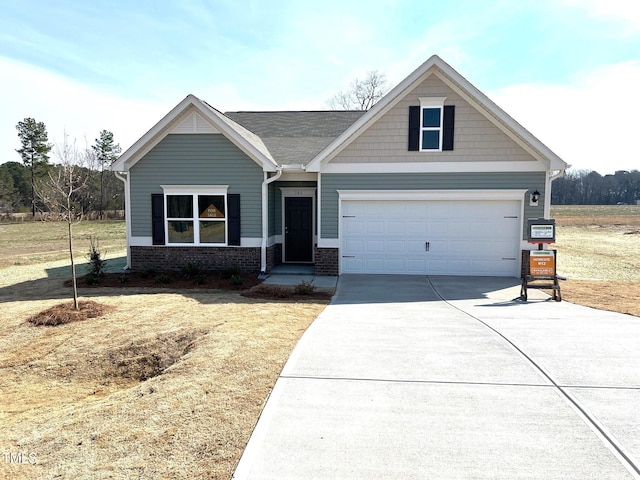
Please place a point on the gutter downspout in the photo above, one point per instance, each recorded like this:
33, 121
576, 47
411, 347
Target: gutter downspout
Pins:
265, 218
124, 177
547, 191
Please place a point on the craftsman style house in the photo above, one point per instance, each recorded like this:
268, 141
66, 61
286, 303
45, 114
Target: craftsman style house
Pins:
434, 179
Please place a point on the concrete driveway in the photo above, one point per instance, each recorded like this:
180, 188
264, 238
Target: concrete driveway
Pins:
451, 378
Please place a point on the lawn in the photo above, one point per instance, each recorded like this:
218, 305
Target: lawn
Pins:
169, 383
599, 253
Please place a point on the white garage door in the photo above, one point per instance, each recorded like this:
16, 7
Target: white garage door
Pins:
479, 237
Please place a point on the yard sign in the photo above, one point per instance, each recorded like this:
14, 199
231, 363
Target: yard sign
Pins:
542, 263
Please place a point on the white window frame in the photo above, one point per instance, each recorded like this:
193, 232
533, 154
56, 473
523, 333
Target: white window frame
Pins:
195, 191
432, 102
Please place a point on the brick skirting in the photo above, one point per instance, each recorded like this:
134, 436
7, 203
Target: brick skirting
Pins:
212, 258
326, 261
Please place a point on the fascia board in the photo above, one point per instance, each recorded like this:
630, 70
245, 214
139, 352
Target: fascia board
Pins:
385, 104
493, 112
161, 129
124, 161
435, 65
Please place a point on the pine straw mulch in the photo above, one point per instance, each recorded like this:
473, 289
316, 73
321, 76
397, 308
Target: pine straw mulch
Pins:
67, 313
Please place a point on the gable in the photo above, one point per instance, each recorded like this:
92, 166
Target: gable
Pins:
476, 138
194, 123
542, 158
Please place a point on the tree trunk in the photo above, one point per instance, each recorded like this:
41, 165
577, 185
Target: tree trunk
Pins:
73, 266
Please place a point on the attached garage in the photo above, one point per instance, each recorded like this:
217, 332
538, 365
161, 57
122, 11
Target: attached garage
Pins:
441, 233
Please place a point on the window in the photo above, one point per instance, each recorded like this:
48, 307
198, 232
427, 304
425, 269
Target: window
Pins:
431, 125
196, 215
431, 113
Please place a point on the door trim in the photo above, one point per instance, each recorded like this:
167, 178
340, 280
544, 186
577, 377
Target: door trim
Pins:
299, 192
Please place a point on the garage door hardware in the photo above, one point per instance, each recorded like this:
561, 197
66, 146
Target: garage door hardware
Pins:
426, 246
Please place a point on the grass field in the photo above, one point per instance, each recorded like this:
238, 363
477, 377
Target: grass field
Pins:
169, 384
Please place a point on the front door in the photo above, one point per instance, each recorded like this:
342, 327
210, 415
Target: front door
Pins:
298, 229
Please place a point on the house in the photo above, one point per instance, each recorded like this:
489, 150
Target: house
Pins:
434, 179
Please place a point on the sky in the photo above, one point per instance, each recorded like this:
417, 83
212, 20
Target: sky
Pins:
567, 70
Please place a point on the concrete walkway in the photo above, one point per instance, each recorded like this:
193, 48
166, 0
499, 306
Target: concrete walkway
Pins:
449, 377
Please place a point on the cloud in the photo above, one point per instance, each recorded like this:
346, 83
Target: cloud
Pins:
66, 105
624, 12
590, 122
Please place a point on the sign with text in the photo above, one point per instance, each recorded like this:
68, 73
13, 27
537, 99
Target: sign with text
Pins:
542, 230
542, 263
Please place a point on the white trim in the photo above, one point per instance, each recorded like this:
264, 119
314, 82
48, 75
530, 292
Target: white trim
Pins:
435, 65
194, 191
305, 192
432, 103
246, 141
429, 195
328, 243
426, 166
124, 177
248, 242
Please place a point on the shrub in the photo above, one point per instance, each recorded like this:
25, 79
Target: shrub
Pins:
304, 288
148, 272
236, 280
229, 272
97, 264
123, 279
200, 279
163, 278
91, 279
192, 270
275, 291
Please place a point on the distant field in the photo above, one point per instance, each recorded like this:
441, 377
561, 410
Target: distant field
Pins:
599, 242
31, 243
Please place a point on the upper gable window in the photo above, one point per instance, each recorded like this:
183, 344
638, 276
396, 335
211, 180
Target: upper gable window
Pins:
431, 121
431, 125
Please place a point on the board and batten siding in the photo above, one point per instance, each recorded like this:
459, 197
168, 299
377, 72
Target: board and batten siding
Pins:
331, 183
205, 159
476, 139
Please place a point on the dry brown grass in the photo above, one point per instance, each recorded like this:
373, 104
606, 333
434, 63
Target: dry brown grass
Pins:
599, 253
165, 385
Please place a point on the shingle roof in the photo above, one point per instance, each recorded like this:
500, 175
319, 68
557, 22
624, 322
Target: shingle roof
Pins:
296, 137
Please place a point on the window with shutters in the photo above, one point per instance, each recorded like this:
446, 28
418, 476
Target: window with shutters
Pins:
196, 215
431, 125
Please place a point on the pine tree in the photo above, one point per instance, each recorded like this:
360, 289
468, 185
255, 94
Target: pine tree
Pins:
106, 152
35, 150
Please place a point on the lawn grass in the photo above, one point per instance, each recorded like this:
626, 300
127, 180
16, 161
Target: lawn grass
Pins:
169, 383
599, 253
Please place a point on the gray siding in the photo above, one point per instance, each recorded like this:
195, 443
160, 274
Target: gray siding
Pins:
475, 137
206, 159
330, 183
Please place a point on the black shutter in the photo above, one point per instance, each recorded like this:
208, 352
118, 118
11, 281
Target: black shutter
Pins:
447, 133
233, 218
414, 128
157, 218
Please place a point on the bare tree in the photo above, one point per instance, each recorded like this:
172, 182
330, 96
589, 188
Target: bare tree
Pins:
362, 94
59, 192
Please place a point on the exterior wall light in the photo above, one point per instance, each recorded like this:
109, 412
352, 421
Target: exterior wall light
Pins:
533, 198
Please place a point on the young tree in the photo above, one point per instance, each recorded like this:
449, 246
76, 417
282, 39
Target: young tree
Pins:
362, 95
59, 192
35, 150
106, 152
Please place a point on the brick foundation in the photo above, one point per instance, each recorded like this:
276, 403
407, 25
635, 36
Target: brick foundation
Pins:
212, 258
326, 261
274, 256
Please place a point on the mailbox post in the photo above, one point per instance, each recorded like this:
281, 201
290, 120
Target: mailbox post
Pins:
542, 263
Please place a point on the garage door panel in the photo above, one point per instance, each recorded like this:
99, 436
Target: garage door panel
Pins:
465, 238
